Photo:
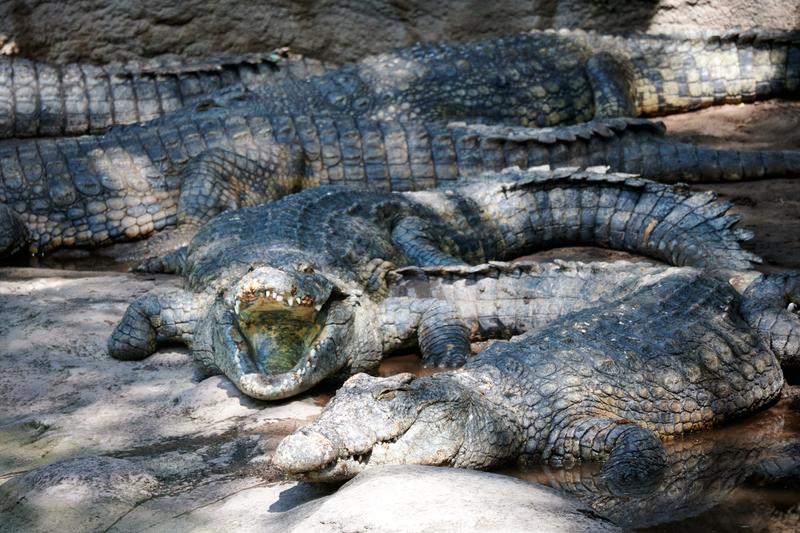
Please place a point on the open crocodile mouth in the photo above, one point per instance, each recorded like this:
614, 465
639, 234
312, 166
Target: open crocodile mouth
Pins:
284, 331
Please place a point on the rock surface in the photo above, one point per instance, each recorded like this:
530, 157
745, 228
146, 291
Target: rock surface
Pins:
62, 397
74, 495
424, 498
341, 30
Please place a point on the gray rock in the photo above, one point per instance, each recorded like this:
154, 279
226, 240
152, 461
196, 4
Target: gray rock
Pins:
423, 498
83, 494
341, 30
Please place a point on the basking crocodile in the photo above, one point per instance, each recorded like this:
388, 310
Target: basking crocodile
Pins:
604, 383
380, 123
542, 78
282, 295
135, 180
40, 99
500, 300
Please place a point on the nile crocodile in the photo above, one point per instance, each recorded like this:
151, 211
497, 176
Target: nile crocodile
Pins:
604, 383
41, 99
381, 123
542, 78
135, 180
283, 295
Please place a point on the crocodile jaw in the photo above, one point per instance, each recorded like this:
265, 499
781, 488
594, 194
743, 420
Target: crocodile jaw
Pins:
373, 422
283, 332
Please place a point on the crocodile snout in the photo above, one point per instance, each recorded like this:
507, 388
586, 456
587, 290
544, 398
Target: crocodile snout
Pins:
303, 452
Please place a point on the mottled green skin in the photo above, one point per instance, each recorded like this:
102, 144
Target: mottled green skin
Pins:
603, 383
380, 124
328, 252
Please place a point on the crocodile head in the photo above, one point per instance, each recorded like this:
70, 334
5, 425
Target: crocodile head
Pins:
375, 421
281, 330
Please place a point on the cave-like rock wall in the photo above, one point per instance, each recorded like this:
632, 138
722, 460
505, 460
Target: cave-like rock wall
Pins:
340, 30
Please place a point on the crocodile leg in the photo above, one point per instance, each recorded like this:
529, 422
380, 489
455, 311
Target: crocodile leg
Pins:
156, 317
612, 85
441, 334
172, 262
770, 305
218, 180
215, 181
412, 235
636, 456
13, 232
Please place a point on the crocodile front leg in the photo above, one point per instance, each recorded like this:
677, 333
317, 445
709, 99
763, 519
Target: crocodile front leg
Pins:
413, 236
162, 315
435, 325
634, 456
218, 180
612, 85
770, 305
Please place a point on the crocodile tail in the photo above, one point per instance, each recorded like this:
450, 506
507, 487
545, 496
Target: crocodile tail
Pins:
672, 162
618, 211
680, 73
633, 145
703, 70
40, 99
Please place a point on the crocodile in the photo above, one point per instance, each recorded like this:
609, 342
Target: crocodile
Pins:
542, 78
283, 295
42, 99
383, 123
600, 384
131, 182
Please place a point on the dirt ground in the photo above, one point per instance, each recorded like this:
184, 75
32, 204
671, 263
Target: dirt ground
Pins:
771, 208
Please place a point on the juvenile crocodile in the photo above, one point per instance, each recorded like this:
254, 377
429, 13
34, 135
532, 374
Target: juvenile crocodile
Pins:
283, 295
134, 180
41, 99
604, 383
380, 123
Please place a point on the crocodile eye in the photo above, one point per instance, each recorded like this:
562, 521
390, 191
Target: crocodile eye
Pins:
386, 395
305, 268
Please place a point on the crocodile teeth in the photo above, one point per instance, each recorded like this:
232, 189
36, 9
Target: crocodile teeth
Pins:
318, 307
279, 297
236, 307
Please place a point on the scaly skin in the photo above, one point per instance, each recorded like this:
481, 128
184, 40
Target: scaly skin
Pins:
133, 181
40, 99
380, 123
604, 383
288, 293
701, 474
537, 79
